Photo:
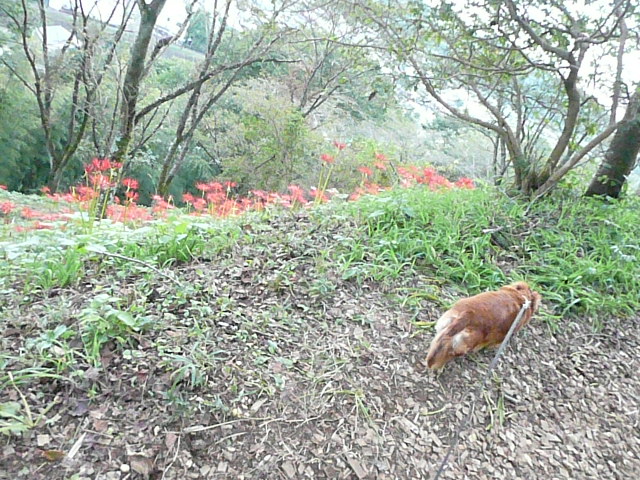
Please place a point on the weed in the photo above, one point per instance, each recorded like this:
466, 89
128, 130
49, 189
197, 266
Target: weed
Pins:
16, 417
103, 321
53, 348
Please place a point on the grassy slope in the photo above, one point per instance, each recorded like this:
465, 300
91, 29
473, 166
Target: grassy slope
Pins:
581, 254
246, 304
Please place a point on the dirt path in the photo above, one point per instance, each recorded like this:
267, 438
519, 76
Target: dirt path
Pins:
277, 369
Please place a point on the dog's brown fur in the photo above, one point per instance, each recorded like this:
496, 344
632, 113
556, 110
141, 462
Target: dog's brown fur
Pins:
480, 321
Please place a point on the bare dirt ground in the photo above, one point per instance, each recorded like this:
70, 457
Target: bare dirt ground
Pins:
271, 366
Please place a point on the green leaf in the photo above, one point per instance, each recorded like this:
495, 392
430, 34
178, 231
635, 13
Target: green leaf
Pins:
9, 409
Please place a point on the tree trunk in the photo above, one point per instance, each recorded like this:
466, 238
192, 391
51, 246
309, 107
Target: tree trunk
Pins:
621, 155
135, 71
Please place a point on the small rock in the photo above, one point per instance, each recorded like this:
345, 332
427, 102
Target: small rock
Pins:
43, 440
289, 469
356, 467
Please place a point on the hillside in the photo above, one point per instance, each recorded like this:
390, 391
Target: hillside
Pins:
288, 344
65, 19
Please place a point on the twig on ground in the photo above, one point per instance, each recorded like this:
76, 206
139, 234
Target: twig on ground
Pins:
173, 460
203, 428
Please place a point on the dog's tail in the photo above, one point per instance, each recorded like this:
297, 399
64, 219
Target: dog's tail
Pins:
451, 340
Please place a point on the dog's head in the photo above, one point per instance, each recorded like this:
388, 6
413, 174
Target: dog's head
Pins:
524, 289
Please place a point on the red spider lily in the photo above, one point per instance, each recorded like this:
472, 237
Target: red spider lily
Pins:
357, 193
7, 207
215, 197
3, 187
318, 195
226, 208
101, 165
229, 185
465, 182
160, 205
410, 172
433, 180
339, 145
27, 212
246, 203
326, 158
366, 171
297, 195
100, 181
381, 157
373, 188
86, 194
200, 204
120, 213
130, 183
41, 226
203, 187
132, 196
380, 165
260, 194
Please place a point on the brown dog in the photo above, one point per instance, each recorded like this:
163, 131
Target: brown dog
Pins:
481, 321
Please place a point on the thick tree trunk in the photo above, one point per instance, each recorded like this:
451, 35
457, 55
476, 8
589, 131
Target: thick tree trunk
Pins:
621, 155
149, 13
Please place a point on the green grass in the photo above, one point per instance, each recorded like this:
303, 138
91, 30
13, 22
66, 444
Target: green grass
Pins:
39, 261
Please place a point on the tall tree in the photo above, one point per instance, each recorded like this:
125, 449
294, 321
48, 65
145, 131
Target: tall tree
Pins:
79, 58
149, 13
621, 155
228, 54
521, 68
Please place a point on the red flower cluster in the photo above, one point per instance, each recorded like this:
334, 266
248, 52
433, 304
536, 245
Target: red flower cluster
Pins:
297, 195
101, 165
7, 207
465, 182
326, 158
368, 188
128, 213
3, 187
366, 171
130, 183
216, 197
160, 205
428, 176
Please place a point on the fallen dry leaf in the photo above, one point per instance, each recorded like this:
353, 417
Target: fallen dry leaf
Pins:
53, 455
141, 465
